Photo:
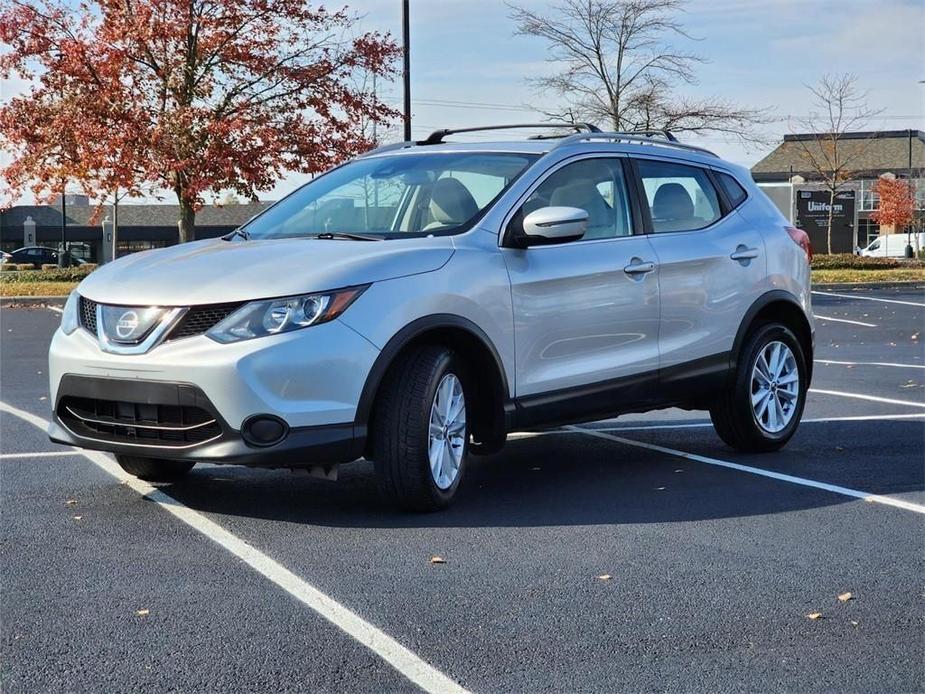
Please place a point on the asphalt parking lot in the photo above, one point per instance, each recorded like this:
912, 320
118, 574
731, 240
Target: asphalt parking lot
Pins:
244, 580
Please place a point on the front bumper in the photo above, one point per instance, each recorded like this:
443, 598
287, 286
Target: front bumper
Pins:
130, 434
310, 379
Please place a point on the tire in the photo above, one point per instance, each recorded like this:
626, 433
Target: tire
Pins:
757, 430
401, 431
154, 469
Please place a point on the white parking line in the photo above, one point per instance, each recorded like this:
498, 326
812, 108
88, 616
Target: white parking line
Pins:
870, 298
844, 491
871, 398
869, 363
43, 454
403, 660
845, 320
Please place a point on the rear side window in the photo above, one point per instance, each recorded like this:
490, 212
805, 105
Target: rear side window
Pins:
733, 190
680, 197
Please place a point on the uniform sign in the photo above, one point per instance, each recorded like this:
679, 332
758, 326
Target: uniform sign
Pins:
813, 218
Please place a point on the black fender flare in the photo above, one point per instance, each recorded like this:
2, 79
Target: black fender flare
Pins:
402, 339
766, 299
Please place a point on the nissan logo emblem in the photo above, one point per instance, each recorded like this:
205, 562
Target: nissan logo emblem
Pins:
128, 323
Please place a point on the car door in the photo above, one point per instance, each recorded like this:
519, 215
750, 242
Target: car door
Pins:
586, 311
712, 264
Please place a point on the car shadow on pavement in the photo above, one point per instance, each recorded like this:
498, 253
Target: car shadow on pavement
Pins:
562, 479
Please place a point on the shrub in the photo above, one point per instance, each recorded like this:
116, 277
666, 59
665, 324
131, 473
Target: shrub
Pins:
49, 266
848, 261
70, 274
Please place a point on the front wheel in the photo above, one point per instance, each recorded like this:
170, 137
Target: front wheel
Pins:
420, 436
762, 410
154, 469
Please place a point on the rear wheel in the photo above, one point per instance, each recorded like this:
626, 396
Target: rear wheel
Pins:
762, 410
154, 469
420, 434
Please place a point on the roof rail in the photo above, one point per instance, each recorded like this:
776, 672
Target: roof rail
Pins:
436, 137
658, 138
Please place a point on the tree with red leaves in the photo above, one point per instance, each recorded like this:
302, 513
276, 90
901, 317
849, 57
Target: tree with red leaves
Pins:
897, 202
190, 96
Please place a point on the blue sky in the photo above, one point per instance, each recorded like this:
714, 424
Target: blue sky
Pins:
469, 69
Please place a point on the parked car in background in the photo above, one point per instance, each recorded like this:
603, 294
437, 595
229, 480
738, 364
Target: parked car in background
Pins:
417, 304
892, 245
38, 256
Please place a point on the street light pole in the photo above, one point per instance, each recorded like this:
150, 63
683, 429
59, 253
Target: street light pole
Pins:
61, 253
406, 73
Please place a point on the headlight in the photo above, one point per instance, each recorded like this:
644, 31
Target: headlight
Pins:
273, 316
69, 322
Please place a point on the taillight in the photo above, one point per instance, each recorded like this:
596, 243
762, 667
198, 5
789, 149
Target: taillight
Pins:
801, 238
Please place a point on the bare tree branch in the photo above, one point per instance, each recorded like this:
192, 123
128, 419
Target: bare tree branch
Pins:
839, 108
617, 65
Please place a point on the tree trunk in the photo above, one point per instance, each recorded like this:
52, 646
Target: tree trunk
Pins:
187, 222
828, 232
115, 226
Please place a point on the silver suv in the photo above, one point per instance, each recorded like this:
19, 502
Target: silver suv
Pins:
415, 305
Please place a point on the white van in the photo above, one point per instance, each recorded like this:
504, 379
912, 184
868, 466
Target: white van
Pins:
892, 245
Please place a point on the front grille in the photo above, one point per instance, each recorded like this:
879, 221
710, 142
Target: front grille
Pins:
88, 314
200, 319
171, 426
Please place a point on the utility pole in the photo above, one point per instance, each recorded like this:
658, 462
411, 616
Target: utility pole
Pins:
61, 253
406, 73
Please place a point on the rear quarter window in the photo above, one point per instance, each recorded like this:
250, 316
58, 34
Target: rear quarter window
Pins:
734, 191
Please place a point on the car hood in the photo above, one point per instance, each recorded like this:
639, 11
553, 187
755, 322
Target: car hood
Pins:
219, 271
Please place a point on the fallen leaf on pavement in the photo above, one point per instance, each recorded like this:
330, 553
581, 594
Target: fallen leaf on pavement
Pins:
143, 613
814, 615
71, 502
77, 517
437, 560
845, 597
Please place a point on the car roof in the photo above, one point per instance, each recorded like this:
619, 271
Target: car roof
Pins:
585, 138
545, 146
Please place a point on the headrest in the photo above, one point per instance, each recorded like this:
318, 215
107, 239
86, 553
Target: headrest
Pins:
671, 202
451, 202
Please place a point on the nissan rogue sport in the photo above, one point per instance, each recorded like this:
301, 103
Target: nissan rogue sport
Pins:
415, 305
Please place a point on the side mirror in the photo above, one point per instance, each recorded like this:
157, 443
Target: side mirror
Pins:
555, 225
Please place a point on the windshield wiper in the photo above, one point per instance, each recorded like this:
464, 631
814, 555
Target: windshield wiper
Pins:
238, 232
330, 236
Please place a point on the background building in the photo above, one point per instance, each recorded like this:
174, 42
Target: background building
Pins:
790, 182
140, 226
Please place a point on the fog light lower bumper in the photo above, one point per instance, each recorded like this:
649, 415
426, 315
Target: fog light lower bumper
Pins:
264, 430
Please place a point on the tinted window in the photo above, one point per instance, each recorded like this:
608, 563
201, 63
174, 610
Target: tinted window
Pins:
426, 193
680, 198
594, 185
733, 190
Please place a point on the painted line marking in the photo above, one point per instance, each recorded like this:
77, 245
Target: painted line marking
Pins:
403, 660
870, 398
43, 454
871, 298
869, 363
825, 486
845, 320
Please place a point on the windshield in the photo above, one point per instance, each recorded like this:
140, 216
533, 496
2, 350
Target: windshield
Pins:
438, 193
